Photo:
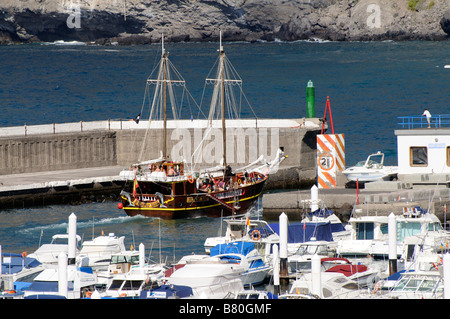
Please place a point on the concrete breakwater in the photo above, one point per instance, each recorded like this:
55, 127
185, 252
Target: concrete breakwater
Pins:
44, 153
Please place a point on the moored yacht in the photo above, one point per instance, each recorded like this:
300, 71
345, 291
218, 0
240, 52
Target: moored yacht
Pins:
369, 234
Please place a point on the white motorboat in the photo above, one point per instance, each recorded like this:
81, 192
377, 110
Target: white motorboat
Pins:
246, 255
372, 169
333, 285
127, 285
301, 260
100, 249
369, 234
359, 273
418, 285
239, 259
128, 262
208, 279
48, 253
18, 271
245, 229
80, 279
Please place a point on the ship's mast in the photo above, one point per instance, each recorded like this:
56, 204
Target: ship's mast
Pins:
164, 66
222, 79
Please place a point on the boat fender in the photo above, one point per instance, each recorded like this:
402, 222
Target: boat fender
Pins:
190, 179
377, 287
256, 235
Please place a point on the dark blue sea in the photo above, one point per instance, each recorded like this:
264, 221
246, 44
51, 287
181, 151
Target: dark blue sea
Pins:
370, 84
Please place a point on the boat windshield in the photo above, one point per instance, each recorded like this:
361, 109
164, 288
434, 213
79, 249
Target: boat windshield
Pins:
119, 259
125, 285
360, 164
418, 284
375, 159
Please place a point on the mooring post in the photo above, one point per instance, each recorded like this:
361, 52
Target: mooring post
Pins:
283, 220
392, 233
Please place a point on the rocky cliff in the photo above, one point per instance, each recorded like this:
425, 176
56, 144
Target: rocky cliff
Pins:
143, 21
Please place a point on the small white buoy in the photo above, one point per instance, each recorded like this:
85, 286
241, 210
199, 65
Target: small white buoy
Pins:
447, 66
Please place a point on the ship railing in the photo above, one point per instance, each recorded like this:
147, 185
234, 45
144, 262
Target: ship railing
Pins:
436, 121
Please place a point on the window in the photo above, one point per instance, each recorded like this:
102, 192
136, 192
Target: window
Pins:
418, 156
406, 229
364, 231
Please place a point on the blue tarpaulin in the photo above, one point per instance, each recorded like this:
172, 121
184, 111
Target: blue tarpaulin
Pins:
13, 263
303, 232
237, 247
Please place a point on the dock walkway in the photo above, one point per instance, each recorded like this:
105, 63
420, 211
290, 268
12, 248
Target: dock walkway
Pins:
59, 187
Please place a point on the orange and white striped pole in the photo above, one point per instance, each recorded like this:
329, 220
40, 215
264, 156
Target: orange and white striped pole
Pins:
330, 158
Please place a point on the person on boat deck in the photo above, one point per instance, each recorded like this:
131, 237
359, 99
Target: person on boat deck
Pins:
171, 171
228, 171
428, 115
220, 185
158, 169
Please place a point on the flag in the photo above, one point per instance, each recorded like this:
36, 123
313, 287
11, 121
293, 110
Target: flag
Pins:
137, 118
135, 185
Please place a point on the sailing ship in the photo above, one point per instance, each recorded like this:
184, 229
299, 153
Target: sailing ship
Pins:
169, 189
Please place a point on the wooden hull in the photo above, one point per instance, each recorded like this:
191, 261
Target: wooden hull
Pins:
202, 204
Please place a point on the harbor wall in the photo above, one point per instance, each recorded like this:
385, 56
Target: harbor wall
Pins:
49, 152
81, 145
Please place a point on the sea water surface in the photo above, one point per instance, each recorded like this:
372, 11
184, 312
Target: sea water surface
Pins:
370, 84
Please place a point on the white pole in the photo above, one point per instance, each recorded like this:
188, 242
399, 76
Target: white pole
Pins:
72, 239
1, 261
314, 198
283, 220
392, 233
62, 275
316, 275
446, 265
141, 255
276, 270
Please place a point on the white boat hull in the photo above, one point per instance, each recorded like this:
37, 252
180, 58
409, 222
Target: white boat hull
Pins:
370, 175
